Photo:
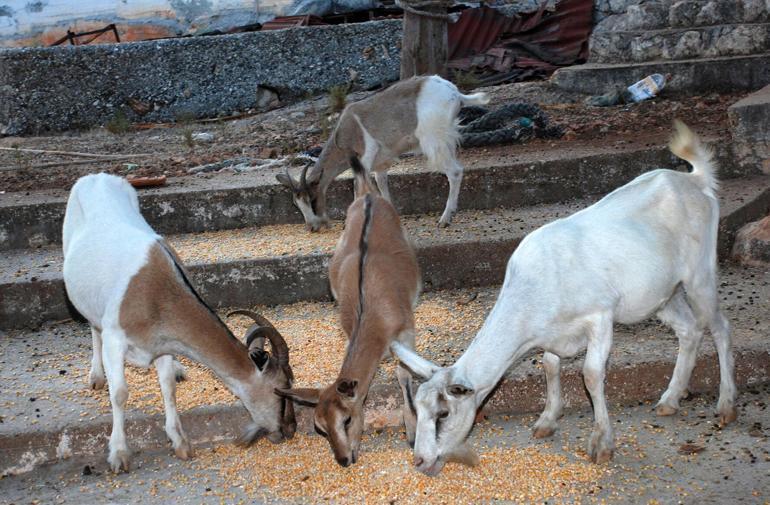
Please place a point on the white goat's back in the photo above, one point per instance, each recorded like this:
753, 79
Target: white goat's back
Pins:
626, 253
106, 241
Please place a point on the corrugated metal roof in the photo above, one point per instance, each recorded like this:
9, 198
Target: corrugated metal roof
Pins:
283, 22
485, 38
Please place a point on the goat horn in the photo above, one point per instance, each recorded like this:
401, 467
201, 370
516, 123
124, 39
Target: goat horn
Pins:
303, 177
277, 342
291, 182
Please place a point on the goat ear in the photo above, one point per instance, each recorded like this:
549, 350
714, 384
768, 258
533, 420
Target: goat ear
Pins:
260, 358
303, 396
347, 388
459, 390
413, 361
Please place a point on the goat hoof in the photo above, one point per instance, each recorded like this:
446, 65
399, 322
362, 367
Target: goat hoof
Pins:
602, 456
443, 224
543, 432
119, 461
665, 410
96, 381
184, 451
727, 416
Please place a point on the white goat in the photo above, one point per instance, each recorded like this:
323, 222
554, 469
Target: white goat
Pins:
417, 114
647, 248
130, 286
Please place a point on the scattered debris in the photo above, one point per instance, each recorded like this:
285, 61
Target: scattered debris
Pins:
691, 449
647, 87
203, 137
489, 127
219, 165
267, 98
147, 182
73, 37
617, 96
139, 106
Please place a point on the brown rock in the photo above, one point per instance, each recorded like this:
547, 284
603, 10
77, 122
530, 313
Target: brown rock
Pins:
752, 244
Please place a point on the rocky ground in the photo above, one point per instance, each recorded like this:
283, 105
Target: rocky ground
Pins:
173, 149
687, 458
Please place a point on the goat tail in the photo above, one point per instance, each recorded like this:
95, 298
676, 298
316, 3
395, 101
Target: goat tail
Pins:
362, 180
686, 145
474, 99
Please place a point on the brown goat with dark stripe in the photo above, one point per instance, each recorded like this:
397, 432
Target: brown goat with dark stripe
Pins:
375, 279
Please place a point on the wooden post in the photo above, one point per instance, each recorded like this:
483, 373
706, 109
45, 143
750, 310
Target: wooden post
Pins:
424, 43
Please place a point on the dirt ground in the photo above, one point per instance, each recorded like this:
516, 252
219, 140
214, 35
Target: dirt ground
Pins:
172, 149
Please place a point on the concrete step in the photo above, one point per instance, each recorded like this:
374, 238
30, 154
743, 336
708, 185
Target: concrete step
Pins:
508, 176
642, 45
750, 125
48, 413
284, 263
727, 74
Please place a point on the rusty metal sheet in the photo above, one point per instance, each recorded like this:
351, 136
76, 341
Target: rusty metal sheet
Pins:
283, 22
485, 38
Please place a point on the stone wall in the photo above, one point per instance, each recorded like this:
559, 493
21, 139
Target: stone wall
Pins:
648, 30
67, 87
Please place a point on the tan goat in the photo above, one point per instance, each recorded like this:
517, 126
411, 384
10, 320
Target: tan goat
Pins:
375, 279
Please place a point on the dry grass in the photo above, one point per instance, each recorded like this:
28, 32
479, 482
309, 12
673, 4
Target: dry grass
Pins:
118, 123
338, 97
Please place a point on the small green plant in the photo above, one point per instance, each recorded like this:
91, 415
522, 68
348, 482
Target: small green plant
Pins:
466, 81
338, 97
118, 123
184, 117
17, 157
187, 136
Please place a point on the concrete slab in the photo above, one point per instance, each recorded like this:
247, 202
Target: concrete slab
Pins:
269, 265
698, 75
48, 414
750, 122
227, 201
285, 264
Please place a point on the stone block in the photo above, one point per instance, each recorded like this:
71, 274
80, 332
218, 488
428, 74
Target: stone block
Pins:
689, 45
647, 16
741, 39
647, 47
683, 13
756, 11
718, 12
750, 128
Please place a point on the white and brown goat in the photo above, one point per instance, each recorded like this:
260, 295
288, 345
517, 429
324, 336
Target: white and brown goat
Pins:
375, 279
414, 115
130, 286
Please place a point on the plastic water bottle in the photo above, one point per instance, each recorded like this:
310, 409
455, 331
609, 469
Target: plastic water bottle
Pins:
647, 87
